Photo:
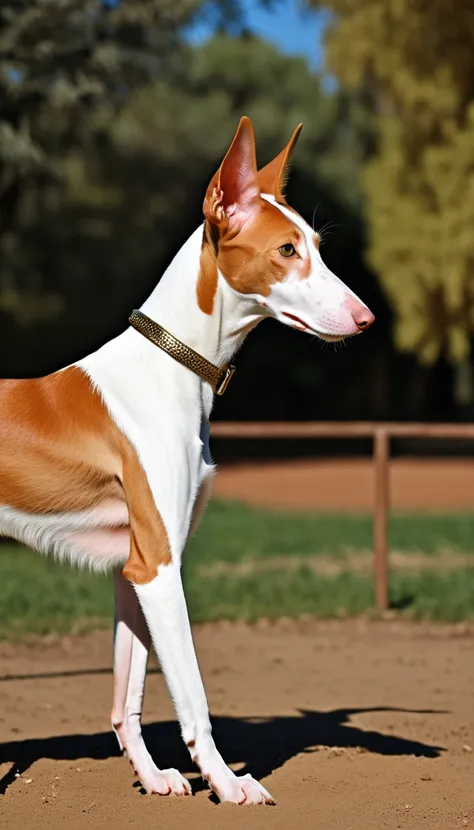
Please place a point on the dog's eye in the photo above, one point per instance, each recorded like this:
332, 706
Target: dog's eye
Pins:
287, 250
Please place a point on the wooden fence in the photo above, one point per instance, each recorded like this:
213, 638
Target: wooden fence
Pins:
381, 434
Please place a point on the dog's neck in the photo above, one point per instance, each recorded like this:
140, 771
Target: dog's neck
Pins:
174, 305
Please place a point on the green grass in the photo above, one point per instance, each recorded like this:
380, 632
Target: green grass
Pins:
231, 531
40, 596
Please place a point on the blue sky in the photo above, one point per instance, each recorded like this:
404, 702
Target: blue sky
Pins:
292, 30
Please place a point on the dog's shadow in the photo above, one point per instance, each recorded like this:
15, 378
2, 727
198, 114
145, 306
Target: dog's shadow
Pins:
261, 744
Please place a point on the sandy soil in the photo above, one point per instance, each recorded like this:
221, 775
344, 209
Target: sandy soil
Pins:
348, 484
349, 724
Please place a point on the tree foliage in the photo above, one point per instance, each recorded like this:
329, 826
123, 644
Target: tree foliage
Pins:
66, 68
414, 61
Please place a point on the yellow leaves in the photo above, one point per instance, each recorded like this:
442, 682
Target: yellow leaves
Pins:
458, 344
417, 60
422, 241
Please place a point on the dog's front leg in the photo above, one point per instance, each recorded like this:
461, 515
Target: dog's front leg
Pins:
153, 568
164, 606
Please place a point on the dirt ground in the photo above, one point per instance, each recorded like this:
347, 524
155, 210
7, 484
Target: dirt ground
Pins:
347, 484
349, 725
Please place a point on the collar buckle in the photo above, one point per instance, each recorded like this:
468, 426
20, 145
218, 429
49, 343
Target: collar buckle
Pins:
229, 372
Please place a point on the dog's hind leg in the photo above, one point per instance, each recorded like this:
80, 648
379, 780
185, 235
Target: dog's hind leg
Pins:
131, 647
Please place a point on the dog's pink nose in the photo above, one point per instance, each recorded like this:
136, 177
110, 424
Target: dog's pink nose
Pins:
363, 319
362, 316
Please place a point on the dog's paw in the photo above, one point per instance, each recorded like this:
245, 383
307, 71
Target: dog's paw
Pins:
165, 782
242, 790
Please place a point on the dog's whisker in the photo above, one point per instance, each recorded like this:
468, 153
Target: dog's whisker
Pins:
314, 215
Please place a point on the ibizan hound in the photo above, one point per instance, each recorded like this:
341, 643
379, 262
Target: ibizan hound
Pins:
107, 463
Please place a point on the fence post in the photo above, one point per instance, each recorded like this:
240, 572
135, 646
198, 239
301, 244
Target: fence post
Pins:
381, 456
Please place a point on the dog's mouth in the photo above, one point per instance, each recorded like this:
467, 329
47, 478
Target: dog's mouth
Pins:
297, 322
300, 325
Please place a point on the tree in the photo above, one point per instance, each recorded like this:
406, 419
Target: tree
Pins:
66, 68
415, 62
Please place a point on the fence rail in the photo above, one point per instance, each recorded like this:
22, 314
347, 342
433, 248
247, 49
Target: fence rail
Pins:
381, 434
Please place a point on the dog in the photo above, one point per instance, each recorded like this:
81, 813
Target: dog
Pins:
106, 462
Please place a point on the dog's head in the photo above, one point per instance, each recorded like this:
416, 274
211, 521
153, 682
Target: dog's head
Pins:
266, 251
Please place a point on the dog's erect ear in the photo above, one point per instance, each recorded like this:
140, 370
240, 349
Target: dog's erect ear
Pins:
233, 193
272, 178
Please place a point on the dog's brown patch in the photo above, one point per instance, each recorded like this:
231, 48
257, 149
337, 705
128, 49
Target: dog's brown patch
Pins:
149, 544
251, 261
207, 279
60, 451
